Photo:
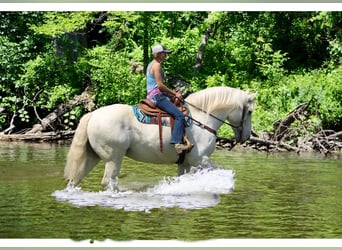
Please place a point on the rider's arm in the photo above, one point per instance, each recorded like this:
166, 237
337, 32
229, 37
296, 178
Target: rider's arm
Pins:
156, 70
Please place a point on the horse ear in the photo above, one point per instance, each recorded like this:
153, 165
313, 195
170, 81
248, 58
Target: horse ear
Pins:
250, 101
251, 97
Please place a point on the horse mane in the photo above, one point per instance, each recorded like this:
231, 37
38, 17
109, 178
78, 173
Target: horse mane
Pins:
218, 98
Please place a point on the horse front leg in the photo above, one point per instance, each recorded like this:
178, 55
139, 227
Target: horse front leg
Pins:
110, 180
183, 169
205, 163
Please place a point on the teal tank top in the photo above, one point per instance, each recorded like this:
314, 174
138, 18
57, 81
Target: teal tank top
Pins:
151, 83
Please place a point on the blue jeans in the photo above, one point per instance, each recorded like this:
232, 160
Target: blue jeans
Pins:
165, 104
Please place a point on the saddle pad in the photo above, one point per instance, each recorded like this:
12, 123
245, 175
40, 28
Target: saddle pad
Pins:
142, 117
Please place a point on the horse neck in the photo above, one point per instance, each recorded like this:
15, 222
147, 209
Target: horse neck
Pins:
210, 119
205, 108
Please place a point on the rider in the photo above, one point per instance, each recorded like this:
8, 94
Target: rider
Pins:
158, 93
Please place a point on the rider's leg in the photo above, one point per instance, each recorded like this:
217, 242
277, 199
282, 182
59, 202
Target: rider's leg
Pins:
178, 129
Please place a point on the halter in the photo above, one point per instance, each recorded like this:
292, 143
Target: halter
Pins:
198, 123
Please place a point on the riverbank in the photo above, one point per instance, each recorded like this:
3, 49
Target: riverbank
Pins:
324, 142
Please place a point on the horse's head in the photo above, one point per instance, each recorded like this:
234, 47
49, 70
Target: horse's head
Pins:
241, 119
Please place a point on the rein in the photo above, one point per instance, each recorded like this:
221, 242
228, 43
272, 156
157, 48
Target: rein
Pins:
198, 123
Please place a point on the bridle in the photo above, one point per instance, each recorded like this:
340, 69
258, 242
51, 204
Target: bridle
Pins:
200, 124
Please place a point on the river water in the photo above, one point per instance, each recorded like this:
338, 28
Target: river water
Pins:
247, 194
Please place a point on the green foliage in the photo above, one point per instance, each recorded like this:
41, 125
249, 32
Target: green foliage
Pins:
59, 23
11, 57
113, 79
23, 115
328, 23
287, 58
71, 118
321, 89
17, 45
181, 61
59, 79
270, 63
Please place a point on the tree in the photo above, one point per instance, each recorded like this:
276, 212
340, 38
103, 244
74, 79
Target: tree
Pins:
49, 57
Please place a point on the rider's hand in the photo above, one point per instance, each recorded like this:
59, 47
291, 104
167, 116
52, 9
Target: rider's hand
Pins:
179, 95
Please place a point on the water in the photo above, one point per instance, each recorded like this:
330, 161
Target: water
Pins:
190, 191
247, 195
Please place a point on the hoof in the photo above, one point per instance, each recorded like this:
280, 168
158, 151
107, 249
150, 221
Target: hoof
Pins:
112, 186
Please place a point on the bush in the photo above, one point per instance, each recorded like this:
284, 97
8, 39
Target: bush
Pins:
58, 77
322, 90
112, 78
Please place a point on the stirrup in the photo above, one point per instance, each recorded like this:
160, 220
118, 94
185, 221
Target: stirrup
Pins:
186, 147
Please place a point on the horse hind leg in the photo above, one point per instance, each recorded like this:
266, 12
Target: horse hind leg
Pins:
81, 166
81, 158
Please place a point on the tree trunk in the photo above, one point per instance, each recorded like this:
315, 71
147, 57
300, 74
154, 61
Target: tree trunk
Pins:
199, 58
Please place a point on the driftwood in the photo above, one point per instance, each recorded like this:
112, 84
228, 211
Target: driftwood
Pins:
39, 137
322, 144
273, 144
48, 122
11, 127
317, 142
45, 130
327, 141
285, 136
283, 125
335, 135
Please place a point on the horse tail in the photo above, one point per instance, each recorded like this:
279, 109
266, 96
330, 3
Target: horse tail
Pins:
81, 158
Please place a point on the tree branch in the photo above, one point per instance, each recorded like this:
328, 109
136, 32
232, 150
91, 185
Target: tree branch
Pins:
283, 125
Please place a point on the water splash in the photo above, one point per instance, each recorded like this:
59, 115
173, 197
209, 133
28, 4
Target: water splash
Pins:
195, 190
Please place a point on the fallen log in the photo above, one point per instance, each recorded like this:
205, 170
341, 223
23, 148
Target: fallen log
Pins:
335, 135
39, 137
320, 142
49, 121
327, 141
268, 143
45, 130
11, 126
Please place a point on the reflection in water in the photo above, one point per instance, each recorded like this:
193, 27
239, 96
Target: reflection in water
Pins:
189, 191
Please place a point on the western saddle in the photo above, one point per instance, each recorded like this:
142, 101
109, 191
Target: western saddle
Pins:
150, 108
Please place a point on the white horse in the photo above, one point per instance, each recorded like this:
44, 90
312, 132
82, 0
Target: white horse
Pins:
112, 132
